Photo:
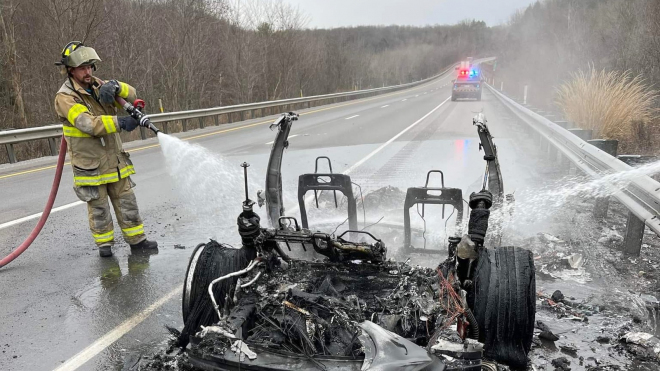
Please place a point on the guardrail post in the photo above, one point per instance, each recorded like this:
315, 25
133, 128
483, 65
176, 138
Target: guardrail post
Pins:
525, 95
201, 123
242, 115
143, 133
165, 128
215, 120
10, 153
632, 242
52, 144
584, 134
610, 147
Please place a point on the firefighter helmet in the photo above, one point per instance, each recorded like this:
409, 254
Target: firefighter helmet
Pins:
76, 54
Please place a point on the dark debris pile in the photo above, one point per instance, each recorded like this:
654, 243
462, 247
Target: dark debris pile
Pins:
314, 308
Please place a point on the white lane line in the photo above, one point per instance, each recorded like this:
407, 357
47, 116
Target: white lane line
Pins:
417, 95
115, 334
405, 100
387, 105
375, 151
38, 215
290, 136
354, 116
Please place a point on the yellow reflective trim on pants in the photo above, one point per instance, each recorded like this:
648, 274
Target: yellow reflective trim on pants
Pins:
133, 231
69, 131
128, 170
104, 237
109, 124
95, 180
75, 111
123, 90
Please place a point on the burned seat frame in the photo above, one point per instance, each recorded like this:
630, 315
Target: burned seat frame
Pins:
430, 196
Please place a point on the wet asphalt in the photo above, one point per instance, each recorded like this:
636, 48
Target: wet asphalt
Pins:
59, 297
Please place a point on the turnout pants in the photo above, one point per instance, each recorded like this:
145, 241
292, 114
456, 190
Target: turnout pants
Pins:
126, 210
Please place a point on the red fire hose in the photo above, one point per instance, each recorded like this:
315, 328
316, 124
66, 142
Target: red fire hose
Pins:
44, 216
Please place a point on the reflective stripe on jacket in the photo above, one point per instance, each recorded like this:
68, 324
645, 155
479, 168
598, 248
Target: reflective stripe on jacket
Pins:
91, 130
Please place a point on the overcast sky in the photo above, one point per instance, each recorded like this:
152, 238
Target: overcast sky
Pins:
337, 13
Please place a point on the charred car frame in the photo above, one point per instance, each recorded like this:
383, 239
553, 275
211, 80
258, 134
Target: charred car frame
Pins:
293, 298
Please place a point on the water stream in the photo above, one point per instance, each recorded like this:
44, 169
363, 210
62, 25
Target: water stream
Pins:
209, 186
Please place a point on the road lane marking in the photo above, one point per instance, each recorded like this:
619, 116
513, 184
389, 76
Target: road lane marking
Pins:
351, 117
405, 100
30, 171
387, 105
375, 151
38, 215
115, 334
290, 136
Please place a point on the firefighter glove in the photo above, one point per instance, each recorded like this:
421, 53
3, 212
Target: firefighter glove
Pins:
108, 91
127, 123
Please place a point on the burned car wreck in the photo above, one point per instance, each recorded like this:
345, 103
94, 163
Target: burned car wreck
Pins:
294, 298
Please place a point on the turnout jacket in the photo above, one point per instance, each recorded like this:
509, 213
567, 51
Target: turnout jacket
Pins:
92, 131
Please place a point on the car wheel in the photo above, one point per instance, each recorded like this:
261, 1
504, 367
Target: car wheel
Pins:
208, 262
503, 300
453, 98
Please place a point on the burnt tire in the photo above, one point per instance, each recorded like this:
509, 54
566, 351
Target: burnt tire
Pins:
503, 300
208, 262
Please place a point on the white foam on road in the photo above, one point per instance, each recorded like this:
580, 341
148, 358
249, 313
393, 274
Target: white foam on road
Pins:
351, 117
387, 105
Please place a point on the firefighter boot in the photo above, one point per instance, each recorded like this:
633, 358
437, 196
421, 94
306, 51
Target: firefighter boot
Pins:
145, 245
105, 251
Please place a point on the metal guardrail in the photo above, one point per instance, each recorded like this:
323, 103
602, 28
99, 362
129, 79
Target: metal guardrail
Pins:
51, 132
641, 196
10, 137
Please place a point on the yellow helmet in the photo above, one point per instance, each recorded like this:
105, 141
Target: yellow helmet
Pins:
76, 54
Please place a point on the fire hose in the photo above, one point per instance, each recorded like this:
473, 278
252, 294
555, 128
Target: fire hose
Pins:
135, 110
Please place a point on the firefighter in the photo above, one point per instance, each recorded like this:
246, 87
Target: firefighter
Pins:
101, 167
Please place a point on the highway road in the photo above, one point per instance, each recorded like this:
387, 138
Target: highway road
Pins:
63, 306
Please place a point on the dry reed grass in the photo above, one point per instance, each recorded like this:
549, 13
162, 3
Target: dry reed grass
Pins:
614, 104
